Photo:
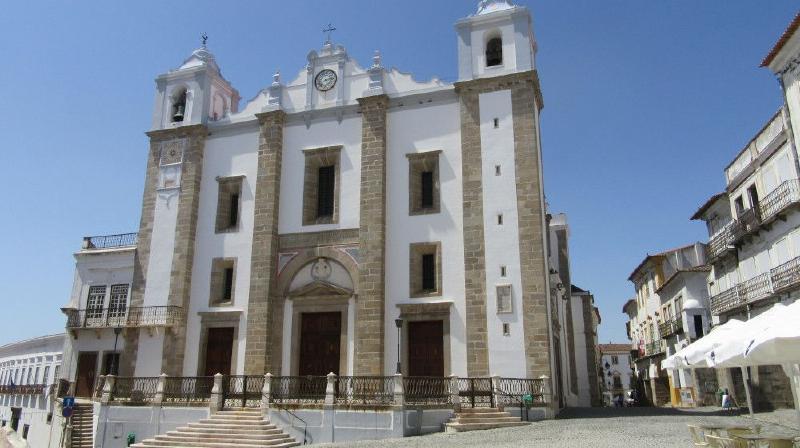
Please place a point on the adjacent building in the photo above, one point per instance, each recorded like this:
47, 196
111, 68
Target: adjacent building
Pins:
29, 372
616, 372
668, 312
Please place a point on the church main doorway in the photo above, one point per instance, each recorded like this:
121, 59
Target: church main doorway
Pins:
320, 343
219, 351
426, 348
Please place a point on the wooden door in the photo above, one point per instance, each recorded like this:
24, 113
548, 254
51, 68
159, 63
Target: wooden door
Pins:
426, 348
219, 351
87, 372
320, 342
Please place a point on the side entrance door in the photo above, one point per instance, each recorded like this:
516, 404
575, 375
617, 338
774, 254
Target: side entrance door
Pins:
87, 372
320, 343
426, 348
219, 351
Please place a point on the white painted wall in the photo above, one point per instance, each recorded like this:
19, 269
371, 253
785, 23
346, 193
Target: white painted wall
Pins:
501, 242
409, 131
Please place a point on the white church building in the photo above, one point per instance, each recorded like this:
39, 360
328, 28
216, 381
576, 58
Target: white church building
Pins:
348, 220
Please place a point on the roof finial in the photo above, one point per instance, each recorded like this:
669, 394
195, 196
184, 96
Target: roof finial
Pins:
204, 39
329, 30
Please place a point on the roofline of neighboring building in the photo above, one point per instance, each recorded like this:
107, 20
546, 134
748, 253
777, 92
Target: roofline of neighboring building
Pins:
628, 303
694, 270
614, 348
703, 208
34, 339
785, 36
657, 255
751, 141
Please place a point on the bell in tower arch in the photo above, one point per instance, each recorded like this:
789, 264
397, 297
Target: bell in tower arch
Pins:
179, 106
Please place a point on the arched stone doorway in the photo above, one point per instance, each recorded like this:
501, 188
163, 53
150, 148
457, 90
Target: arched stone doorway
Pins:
319, 305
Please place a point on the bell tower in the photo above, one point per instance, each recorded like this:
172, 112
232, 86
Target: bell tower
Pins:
496, 40
194, 93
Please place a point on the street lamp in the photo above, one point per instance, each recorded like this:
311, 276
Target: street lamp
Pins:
115, 367
399, 324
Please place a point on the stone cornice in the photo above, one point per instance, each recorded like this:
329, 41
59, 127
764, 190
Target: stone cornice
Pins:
178, 132
482, 85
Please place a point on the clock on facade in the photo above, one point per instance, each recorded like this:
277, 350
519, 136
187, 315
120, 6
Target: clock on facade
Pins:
325, 80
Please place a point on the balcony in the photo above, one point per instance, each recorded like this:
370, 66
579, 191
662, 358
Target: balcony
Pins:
786, 275
110, 241
780, 199
148, 316
747, 223
654, 348
721, 243
755, 289
670, 327
27, 389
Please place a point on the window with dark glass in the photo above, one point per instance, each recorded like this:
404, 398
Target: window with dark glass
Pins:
427, 189
233, 219
429, 272
325, 190
228, 203
494, 52
227, 292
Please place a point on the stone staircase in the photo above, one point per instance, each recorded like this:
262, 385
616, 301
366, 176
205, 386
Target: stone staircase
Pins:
82, 426
225, 429
481, 418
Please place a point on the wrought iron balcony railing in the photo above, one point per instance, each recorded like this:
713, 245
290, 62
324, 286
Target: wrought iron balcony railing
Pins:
786, 275
146, 316
726, 300
745, 224
24, 389
110, 241
786, 194
672, 326
721, 242
654, 348
757, 288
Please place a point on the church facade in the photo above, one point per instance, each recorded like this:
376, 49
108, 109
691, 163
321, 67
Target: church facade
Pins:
350, 220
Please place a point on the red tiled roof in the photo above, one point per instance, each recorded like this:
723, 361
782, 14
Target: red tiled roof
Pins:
611, 348
699, 213
787, 34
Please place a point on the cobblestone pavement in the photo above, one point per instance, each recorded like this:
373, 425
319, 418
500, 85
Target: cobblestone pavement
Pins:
592, 427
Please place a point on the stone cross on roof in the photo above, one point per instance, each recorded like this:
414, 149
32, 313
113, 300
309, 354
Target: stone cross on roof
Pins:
204, 39
329, 30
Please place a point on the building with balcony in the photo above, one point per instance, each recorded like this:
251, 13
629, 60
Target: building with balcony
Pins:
670, 310
617, 375
754, 245
29, 372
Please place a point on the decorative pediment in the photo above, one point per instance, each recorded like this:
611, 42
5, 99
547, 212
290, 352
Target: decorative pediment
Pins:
320, 288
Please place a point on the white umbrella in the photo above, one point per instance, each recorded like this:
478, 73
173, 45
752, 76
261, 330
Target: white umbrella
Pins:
693, 356
777, 341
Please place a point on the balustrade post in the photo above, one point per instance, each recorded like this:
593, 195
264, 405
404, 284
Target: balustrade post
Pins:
547, 393
162, 383
217, 399
330, 390
108, 387
496, 391
266, 394
399, 390
455, 399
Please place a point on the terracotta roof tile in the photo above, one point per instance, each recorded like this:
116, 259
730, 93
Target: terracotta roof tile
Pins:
787, 34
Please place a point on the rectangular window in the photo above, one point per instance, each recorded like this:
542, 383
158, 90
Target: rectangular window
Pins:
504, 302
502, 271
110, 363
223, 281
427, 189
228, 203
506, 329
423, 183
497, 170
425, 269
500, 219
56, 371
326, 183
614, 360
95, 301
321, 186
118, 303
25, 429
46, 375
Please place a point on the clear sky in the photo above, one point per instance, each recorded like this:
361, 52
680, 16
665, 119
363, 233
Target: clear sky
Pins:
645, 103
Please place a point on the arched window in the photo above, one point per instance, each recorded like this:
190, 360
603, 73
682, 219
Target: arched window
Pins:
494, 52
179, 106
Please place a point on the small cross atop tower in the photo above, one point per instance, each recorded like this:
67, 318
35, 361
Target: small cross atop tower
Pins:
204, 39
329, 30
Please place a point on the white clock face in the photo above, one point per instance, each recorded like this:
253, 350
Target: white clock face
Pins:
325, 80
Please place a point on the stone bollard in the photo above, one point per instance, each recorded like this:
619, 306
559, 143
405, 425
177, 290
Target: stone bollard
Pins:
266, 394
162, 383
455, 398
399, 390
215, 403
107, 388
496, 394
330, 390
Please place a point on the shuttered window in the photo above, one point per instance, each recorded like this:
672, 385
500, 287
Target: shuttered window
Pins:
325, 190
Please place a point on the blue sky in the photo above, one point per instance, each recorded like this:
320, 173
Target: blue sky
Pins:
645, 104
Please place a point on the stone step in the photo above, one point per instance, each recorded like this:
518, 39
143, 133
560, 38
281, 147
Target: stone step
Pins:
485, 420
461, 427
482, 415
240, 411
231, 438
478, 410
276, 433
227, 425
215, 430
171, 444
235, 419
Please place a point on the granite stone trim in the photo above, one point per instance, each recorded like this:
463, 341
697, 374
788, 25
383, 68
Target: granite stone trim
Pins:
322, 238
417, 164
217, 283
315, 159
370, 309
415, 253
228, 186
258, 352
180, 283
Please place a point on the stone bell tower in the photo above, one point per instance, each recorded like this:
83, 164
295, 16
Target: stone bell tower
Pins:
506, 272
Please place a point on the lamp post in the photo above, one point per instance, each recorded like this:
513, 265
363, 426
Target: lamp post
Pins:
115, 367
399, 324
